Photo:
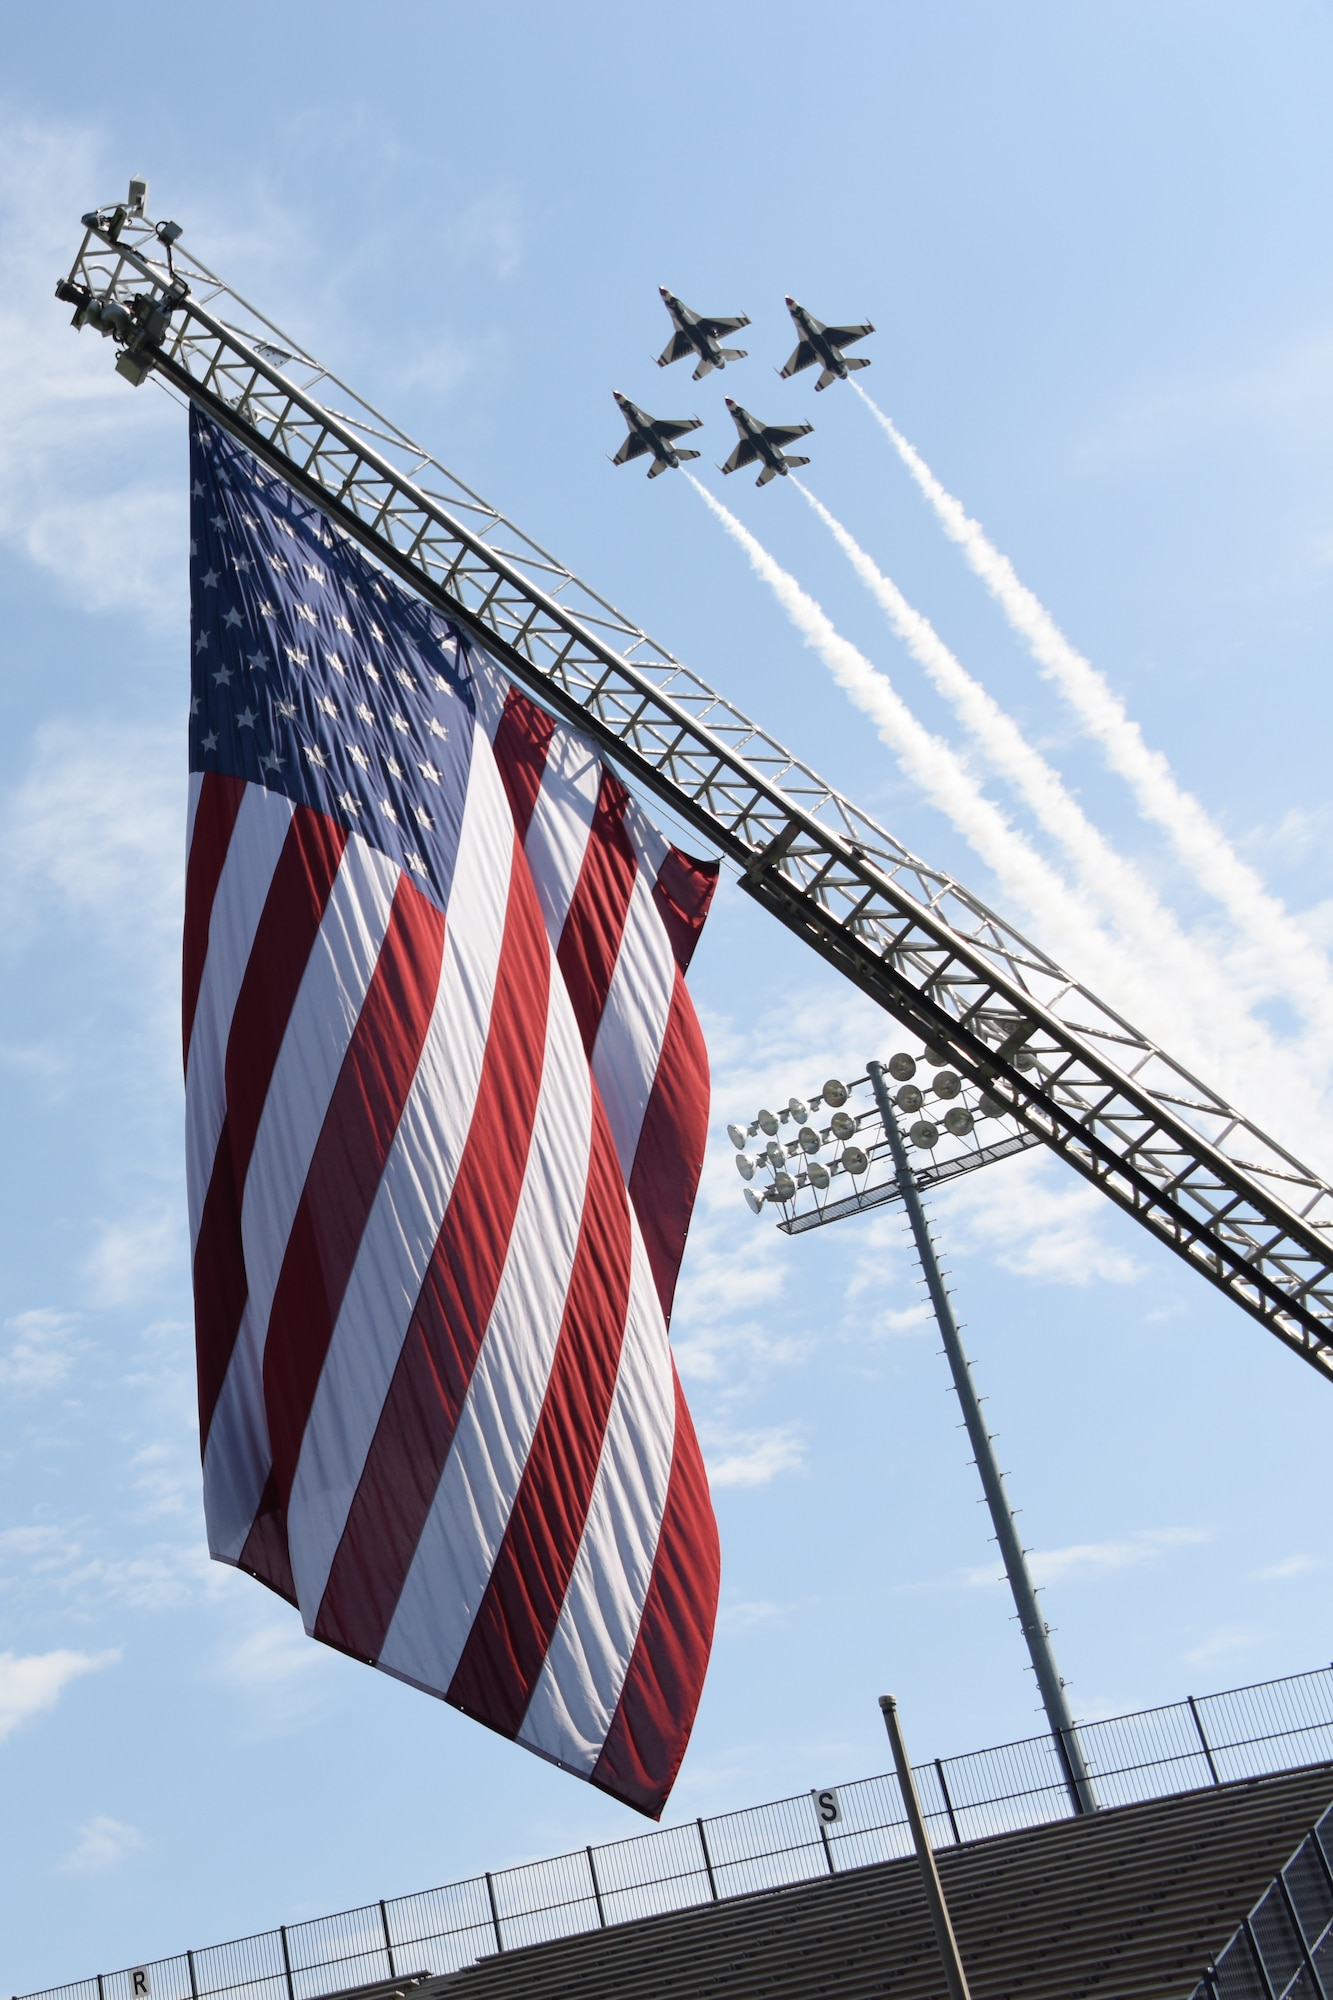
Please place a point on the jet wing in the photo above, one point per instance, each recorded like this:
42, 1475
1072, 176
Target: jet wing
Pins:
843, 336
745, 454
780, 434
720, 326
633, 447
676, 349
804, 357
670, 427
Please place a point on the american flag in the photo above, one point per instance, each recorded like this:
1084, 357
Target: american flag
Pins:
446, 1104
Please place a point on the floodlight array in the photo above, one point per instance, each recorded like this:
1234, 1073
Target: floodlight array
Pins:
827, 1156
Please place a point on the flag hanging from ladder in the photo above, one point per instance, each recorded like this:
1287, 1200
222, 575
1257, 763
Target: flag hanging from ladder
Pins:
446, 1103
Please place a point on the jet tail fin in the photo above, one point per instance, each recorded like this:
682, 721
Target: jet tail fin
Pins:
769, 472
797, 461
828, 376
856, 360
689, 454
705, 368
733, 353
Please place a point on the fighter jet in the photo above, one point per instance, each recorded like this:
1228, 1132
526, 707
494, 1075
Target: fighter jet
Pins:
824, 344
696, 335
652, 434
764, 441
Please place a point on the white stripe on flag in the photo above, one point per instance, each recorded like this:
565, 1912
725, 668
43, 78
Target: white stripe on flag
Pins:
243, 886
319, 1028
576, 1694
561, 822
634, 1021
466, 1525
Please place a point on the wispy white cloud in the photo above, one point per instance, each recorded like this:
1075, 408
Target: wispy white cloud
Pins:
1222, 1644
1082, 1561
1289, 1568
750, 1458
489, 230
32, 1683
1038, 1220
103, 1842
734, 1621
128, 1260
39, 1351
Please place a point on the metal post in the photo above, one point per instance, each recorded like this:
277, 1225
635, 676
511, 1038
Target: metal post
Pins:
939, 1909
596, 1890
388, 1941
1260, 1964
828, 1850
1293, 1918
1077, 1778
495, 1913
1207, 1749
287, 1962
194, 1983
948, 1803
708, 1859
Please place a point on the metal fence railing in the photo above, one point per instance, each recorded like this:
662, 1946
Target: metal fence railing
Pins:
1284, 1949
1272, 1726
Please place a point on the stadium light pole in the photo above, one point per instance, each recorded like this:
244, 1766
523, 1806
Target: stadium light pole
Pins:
1034, 1627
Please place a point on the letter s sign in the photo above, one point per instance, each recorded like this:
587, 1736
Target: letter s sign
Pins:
828, 1811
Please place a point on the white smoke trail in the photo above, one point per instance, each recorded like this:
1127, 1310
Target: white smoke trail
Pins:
1064, 924
1281, 948
1201, 1016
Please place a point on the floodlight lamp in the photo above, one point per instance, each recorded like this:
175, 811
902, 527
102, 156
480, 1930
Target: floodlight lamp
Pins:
817, 1173
902, 1068
948, 1083
745, 1166
776, 1153
1025, 1060
784, 1188
138, 194
767, 1123
924, 1134
808, 1139
738, 1136
991, 1107
936, 1058
908, 1098
843, 1126
755, 1201
834, 1093
958, 1121
854, 1160
797, 1111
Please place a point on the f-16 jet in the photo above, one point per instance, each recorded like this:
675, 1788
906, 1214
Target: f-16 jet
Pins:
696, 335
824, 344
652, 434
765, 441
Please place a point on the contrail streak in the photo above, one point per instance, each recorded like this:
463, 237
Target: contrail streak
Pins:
1215, 1017
1294, 963
937, 769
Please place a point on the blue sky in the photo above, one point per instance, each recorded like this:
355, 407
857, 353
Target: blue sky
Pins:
1095, 243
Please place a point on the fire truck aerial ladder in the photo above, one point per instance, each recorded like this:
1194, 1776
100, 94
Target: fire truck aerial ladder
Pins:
1233, 1203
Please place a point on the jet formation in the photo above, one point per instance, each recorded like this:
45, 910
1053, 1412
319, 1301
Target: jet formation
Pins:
765, 444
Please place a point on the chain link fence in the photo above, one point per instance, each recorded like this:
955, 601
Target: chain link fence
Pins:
1272, 1726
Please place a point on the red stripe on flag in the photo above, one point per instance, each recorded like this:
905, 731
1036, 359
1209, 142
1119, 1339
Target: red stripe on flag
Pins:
521, 1605
284, 938
683, 892
655, 1713
670, 1153
521, 745
421, 1409
353, 1144
590, 941
214, 818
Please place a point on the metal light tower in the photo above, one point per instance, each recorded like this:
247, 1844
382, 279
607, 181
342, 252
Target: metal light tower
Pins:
866, 1143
